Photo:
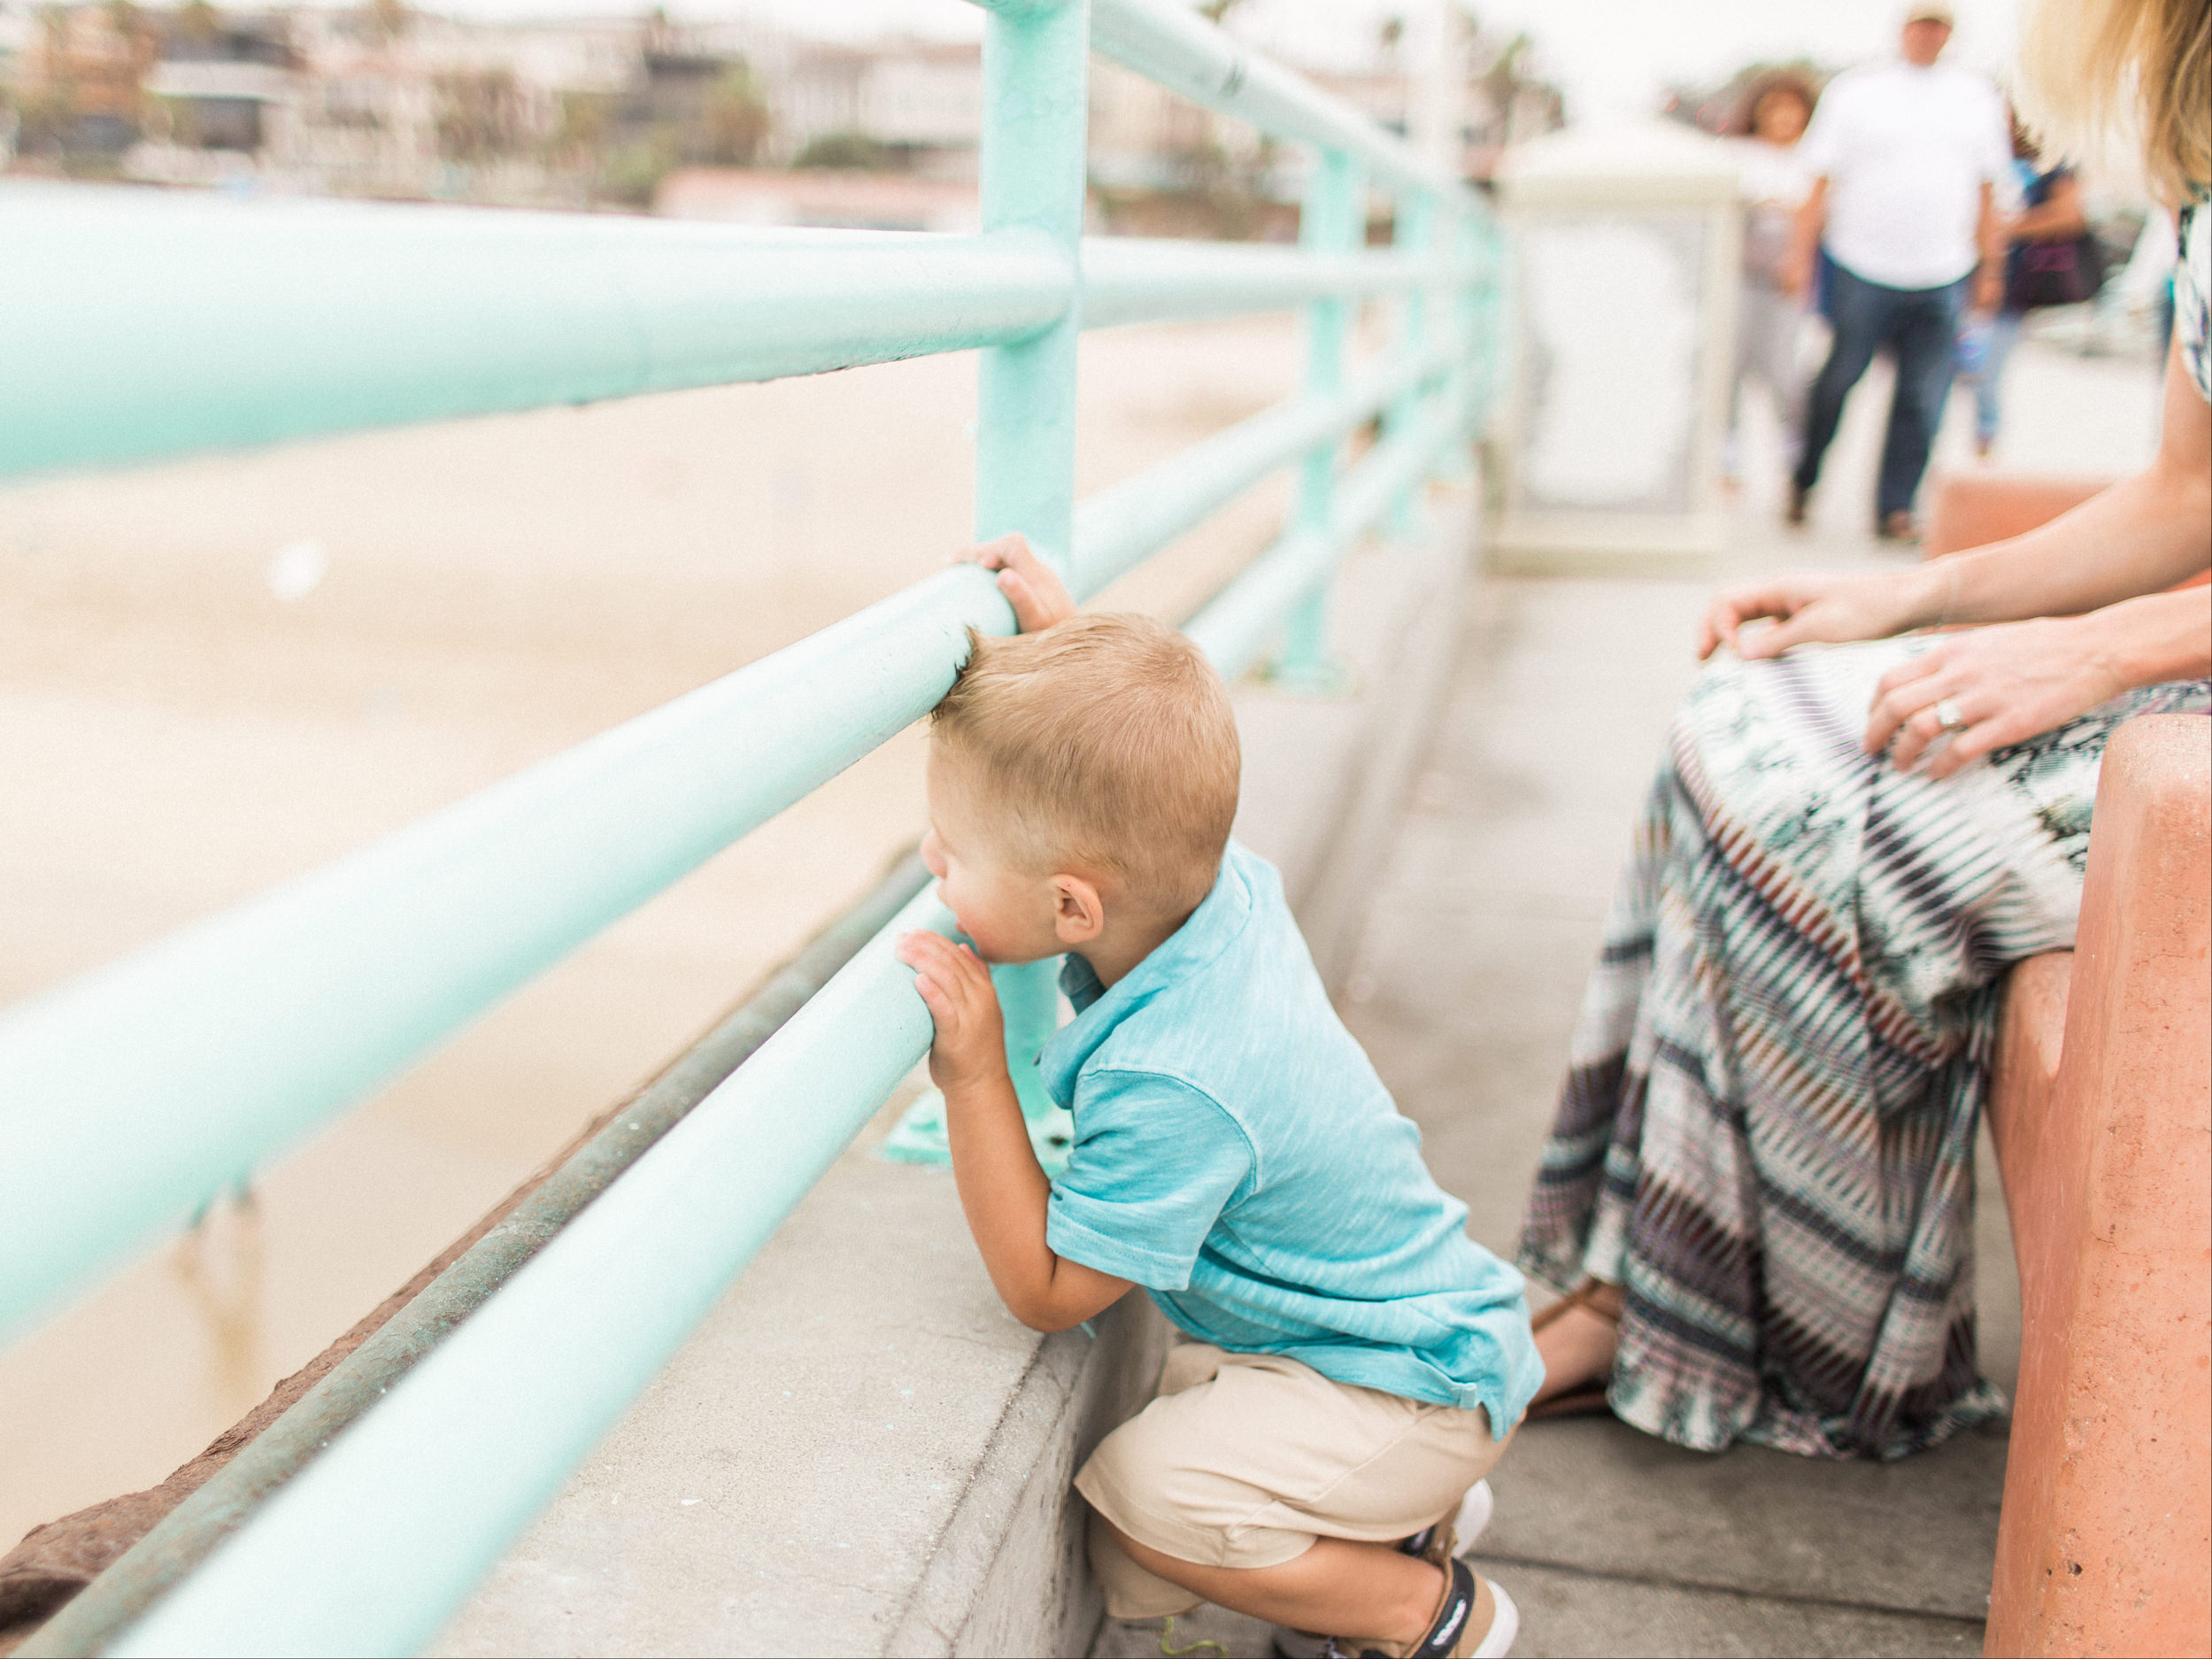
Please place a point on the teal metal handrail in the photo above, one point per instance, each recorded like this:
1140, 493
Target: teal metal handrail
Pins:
1183, 53
278, 320
129, 1096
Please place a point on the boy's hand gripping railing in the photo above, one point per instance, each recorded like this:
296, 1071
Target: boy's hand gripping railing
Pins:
129, 1096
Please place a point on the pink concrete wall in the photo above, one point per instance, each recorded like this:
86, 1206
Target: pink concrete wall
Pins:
2106, 1146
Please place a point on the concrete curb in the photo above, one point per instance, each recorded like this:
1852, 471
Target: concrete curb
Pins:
1015, 1531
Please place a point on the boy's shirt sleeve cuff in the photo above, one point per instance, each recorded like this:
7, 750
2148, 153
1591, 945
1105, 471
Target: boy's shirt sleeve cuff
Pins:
1072, 1240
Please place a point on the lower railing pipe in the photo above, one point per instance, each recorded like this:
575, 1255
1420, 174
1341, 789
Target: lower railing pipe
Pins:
375, 1545
191, 1532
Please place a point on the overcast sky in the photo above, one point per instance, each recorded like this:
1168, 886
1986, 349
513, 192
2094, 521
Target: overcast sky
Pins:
1611, 56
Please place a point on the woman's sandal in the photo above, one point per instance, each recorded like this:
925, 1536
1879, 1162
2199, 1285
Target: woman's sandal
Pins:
1587, 1399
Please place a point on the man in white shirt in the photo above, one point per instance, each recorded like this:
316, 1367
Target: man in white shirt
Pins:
1907, 158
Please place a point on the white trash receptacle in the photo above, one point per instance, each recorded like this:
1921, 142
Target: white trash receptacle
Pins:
1627, 259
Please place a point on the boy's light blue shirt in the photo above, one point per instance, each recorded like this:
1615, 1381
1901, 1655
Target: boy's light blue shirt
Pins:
1236, 1155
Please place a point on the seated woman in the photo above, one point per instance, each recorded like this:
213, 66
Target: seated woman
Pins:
1760, 1182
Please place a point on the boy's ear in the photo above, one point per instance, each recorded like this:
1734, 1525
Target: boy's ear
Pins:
1078, 912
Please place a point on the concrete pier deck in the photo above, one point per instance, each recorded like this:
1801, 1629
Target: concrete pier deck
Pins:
1465, 987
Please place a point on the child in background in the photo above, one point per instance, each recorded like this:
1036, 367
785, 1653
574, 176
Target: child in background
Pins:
1770, 320
1356, 1363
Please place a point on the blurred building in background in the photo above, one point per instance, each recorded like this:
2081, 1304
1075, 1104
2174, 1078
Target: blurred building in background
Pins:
76, 78
734, 119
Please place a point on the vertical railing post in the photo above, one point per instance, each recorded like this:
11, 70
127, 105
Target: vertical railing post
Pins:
1414, 235
1036, 70
1333, 220
1482, 309
1036, 60
1450, 316
1439, 133
1036, 57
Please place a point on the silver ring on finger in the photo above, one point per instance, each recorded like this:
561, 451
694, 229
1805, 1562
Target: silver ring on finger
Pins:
1948, 714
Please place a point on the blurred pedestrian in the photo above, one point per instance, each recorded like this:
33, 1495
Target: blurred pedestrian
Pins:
1769, 122
1908, 158
2053, 258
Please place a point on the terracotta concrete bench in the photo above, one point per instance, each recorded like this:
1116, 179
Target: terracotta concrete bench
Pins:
2102, 1110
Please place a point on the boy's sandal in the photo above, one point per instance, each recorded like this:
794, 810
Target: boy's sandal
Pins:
1587, 1399
1437, 1543
1449, 1636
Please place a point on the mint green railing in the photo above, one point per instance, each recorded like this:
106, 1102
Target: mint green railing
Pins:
136, 325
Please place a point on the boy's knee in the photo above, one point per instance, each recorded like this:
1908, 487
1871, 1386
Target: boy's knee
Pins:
1131, 1591
1242, 1460
1162, 1479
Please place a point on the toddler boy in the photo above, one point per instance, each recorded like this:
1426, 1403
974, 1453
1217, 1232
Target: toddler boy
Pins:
1356, 1362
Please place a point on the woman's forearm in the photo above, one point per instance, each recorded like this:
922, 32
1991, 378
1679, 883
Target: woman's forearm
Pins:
2146, 533
2160, 637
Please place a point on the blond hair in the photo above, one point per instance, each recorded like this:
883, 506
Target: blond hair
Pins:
1106, 744
2097, 72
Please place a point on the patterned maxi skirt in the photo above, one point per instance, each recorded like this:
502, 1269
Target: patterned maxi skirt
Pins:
1767, 1132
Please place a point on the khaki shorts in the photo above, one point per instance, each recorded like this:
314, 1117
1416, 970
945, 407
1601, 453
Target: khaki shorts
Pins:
1244, 1459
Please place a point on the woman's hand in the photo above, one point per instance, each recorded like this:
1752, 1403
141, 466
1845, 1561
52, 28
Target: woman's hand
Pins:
1818, 609
1039, 598
2002, 684
970, 1046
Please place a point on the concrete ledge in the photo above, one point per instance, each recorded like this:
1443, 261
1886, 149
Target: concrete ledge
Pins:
860, 1451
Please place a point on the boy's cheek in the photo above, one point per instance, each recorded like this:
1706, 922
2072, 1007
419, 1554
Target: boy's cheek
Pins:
984, 948
975, 927
998, 944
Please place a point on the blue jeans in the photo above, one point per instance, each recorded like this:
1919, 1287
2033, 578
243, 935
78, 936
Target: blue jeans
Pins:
2004, 333
1920, 325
